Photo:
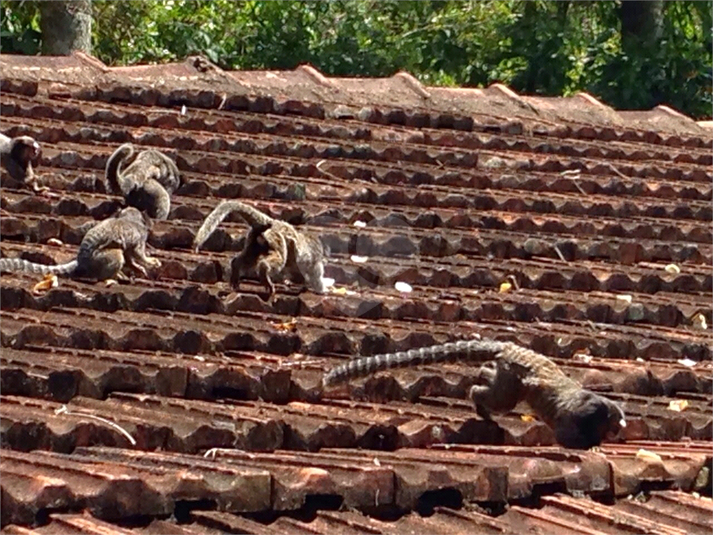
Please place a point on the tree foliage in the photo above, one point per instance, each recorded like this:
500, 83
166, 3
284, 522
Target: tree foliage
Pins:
536, 47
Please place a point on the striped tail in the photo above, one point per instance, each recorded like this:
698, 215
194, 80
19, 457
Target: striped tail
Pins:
113, 164
18, 265
252, 216
452, 351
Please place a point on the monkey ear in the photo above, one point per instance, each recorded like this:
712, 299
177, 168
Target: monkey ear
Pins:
616, 413
36, 153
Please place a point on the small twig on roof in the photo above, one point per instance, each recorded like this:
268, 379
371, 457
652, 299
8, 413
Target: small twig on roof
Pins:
302, 363
559, 253
593, 326
64, 410
319, 168
211, 453
573, 175
622, 175
513, 279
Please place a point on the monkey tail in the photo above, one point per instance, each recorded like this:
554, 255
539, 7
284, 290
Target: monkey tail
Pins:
252, 216
171, 178
160, 197
19, 265
113, 165
152, 163
452, 351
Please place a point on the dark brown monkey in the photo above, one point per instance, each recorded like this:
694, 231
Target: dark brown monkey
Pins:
147, 182
580, 418
18, 155
273, 249
103, 252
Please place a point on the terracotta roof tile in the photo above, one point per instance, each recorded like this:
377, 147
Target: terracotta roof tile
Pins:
599, 219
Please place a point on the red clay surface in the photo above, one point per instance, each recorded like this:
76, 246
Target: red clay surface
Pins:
167, 405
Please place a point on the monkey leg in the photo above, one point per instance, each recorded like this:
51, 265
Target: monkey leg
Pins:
499, 389
157, 199
313, 277
105, 264
137, 266
235, 274
270, 267
243, 262
36, 188
139, 252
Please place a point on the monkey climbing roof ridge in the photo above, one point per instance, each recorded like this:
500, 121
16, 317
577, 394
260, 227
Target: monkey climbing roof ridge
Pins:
580, 208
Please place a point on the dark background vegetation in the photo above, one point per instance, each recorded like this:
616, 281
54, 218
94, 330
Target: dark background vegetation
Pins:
632, 55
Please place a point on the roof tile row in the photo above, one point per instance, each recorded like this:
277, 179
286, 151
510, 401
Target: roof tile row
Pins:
116, 483
153, 422
574, 204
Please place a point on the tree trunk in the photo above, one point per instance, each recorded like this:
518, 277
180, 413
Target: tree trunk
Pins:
66, 25
641, 23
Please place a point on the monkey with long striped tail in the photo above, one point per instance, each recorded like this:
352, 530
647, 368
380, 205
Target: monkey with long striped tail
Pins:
273, 249
510, 374
104, 251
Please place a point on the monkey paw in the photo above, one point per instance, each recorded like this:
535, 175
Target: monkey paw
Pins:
39, 190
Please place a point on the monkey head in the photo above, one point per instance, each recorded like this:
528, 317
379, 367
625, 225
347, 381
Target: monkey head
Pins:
588, 420
25, 150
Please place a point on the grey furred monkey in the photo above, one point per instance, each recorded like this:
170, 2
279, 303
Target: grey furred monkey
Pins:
579, 418
273, 249
18, 155
103, 252
147, 182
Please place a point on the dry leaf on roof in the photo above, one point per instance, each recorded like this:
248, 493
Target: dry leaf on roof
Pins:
527, 418
699, 320
678, 405
582, 355
47, 283
403, 287
505, 287
287, 326
673, 268
646, 455
341, 291
312, 473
